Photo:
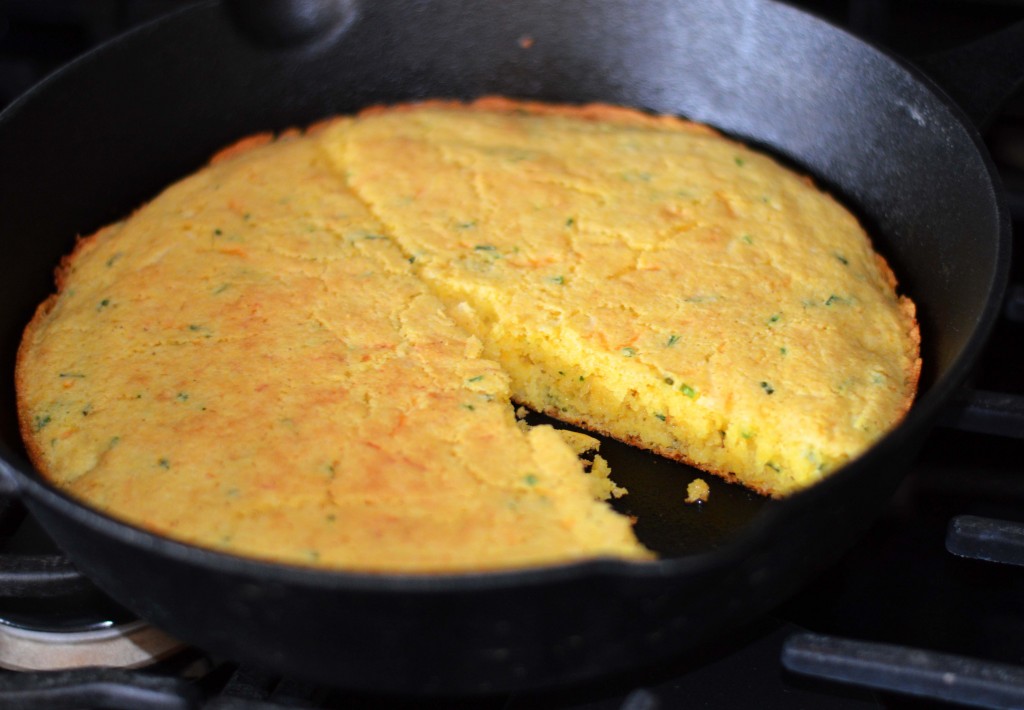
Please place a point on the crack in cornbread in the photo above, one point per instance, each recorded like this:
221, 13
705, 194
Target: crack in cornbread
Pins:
307, 351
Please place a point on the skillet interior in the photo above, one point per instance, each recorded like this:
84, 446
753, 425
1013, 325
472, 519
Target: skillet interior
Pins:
108, 132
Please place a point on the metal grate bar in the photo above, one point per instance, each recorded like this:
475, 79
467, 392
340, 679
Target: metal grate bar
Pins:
95, 687
910, 671
996, 413
986, 539
39, 576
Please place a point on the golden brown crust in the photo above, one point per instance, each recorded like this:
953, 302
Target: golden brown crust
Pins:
241, 146
909, 311
32, 446
594, 111
31, 330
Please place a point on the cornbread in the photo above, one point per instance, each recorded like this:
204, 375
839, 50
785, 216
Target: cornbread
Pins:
646, 278
308, 350
698, 491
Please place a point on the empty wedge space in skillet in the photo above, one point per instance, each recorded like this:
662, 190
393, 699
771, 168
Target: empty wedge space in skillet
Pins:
306, 351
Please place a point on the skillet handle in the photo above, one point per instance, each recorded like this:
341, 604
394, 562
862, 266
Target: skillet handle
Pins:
290, 23
981, 75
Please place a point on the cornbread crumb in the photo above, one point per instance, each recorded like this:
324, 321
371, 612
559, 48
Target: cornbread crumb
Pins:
698, 491
601, 484
578, 442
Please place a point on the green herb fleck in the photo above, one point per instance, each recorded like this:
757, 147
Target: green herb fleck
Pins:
475, 379
582, 378
218, 231
468, 224
774, 318
833, 299
87, 409
470, 407
747, 239
660, 416
76, 375
112, 260
641, 176
40, 422
570, 221
739, 161
783, 351
530, 479
768, 389
164, 463
746, 435
221, 289
628, 352
669, 381
557, 280
842, 259
103, 304
672, 340
485, 247
774, 466
182, 396
687, 390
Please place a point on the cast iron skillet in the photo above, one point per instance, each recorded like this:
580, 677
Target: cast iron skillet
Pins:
110, 130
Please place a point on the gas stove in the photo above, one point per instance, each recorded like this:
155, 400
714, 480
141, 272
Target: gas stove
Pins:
927, 610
